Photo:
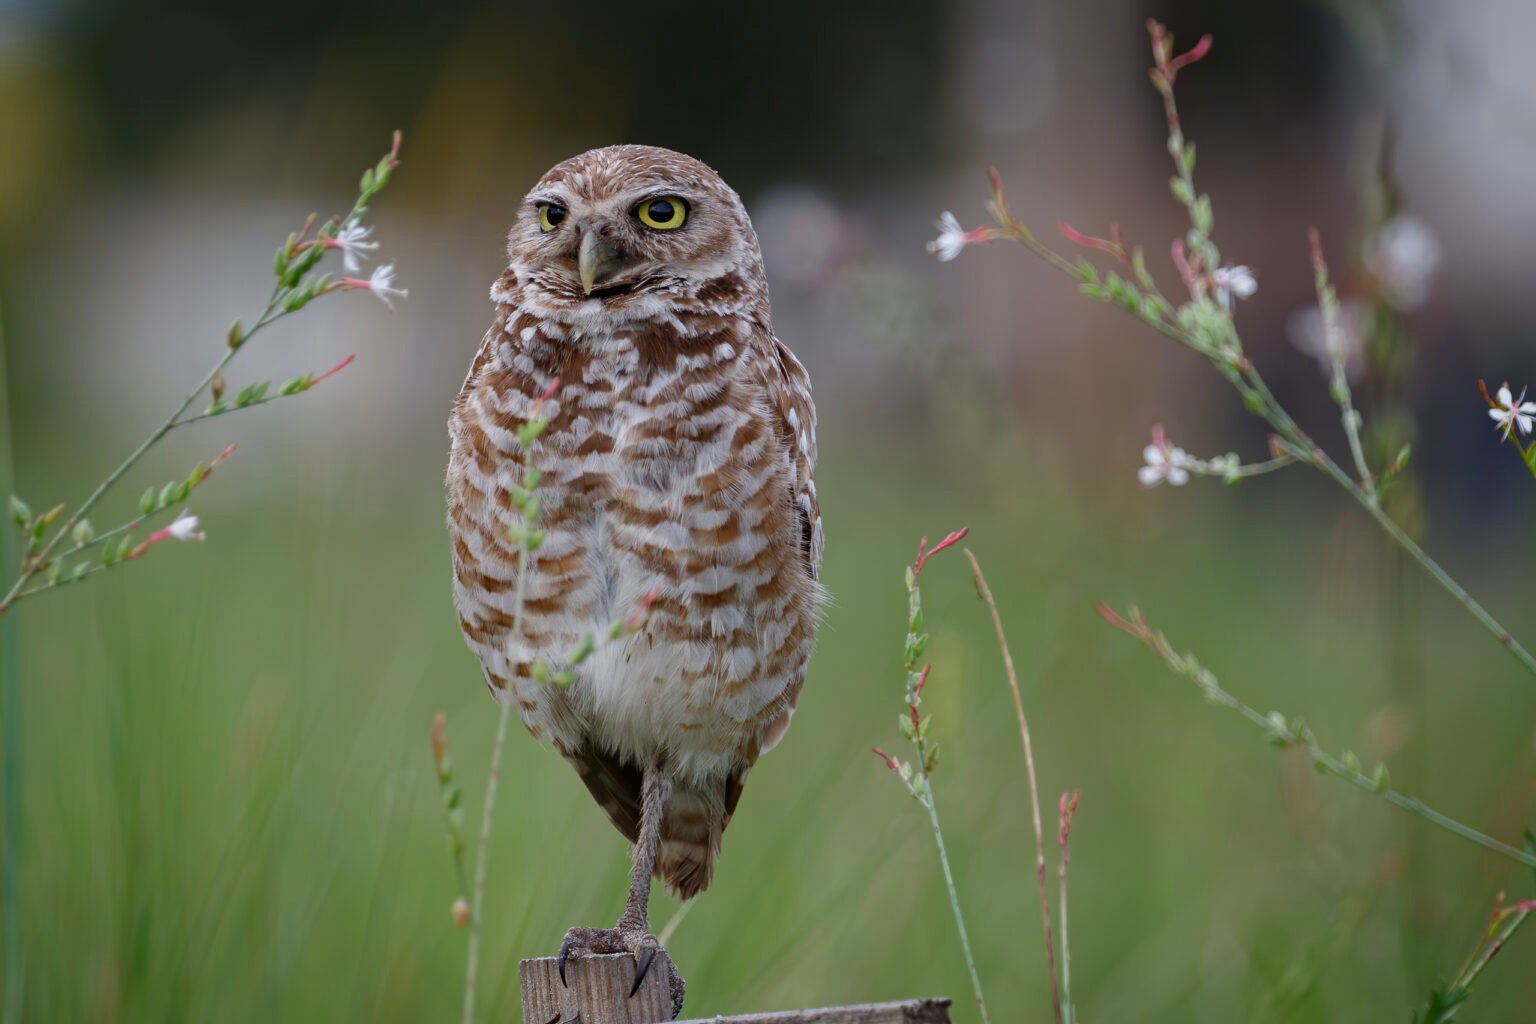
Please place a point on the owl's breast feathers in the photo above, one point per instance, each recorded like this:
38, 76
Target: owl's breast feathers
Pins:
678, 459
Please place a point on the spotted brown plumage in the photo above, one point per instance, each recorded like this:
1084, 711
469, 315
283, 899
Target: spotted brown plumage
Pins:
677, 463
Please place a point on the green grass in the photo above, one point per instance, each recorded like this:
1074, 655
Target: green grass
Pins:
232, 815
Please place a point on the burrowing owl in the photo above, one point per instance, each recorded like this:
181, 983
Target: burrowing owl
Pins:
677, 464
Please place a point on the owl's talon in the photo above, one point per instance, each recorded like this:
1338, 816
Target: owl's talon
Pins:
591, 940
641, 945
643, 965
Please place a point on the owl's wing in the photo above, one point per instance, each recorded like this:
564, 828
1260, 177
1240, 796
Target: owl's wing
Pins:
789, 391
613, 782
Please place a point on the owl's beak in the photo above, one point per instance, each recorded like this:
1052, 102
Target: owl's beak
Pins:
597, 259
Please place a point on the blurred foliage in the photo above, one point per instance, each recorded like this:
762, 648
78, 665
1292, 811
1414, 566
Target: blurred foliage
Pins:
234, 811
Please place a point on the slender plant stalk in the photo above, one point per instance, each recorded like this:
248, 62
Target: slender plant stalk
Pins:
1481, 957
10, 728
954, 904
287, 297
33, 565
1067, 1013
487, 815
985, 593
1338, 385
1064, 831
477, 905
1284, 733
917, 775
664, 937
1206, 468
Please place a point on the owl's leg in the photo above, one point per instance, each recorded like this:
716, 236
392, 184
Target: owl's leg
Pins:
632, 932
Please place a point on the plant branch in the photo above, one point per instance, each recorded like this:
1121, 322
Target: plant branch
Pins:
1284, 733
1338, 385
293, 290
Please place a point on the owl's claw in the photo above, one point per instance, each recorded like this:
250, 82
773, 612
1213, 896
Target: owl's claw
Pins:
642, 945
642, 964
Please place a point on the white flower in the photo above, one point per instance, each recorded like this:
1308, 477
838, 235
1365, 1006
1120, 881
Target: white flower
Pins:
185, 528
1404, 256
382, 283
1513, 412
1233, 281
1355, 323
952, 237
353, 242
1164, 462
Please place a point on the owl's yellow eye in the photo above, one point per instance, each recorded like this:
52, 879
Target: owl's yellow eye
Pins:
550, 216
664, 214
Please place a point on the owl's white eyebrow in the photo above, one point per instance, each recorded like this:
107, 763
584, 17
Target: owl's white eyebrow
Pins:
662, 192
540, 200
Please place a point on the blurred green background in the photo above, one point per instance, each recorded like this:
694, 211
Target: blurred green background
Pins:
230, 811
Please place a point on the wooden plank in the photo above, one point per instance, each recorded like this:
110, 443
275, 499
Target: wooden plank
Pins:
598, 992
910, 1011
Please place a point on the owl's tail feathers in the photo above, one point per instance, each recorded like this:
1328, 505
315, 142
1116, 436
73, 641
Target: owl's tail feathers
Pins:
690, 840
690, 835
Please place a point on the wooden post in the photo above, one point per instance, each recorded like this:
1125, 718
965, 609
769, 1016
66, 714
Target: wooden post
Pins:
598, 993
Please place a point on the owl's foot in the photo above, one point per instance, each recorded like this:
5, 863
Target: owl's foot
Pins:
640, 944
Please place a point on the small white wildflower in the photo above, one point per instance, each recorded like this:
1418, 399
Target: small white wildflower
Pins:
1355, 323
1404, 256
1513, 412
1164, 462
353, 242
952, 237
185, 528
1233, 281
382, 283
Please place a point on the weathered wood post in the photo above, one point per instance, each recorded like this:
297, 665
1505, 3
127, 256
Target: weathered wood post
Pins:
598, 993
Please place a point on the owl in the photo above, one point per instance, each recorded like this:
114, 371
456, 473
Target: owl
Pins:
675, 474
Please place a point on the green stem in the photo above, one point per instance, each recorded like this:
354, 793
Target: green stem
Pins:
954, 898
101, 538
477, 903
1068, 1014
11, 729
1190, 667
487, 814
1206, 468
34, 563
1429, 565
237, 408
1486, 953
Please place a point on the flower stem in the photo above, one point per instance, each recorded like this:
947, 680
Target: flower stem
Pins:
985, 593
1295, 734
954, 900
35, 563
477, 902
1068, 1015
1393, 530
1338, 384
1490, 948
13, 735
487, 814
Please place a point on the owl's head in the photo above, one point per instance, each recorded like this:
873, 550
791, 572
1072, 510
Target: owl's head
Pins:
634, 231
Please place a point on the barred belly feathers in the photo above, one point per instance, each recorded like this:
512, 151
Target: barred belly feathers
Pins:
678, 460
